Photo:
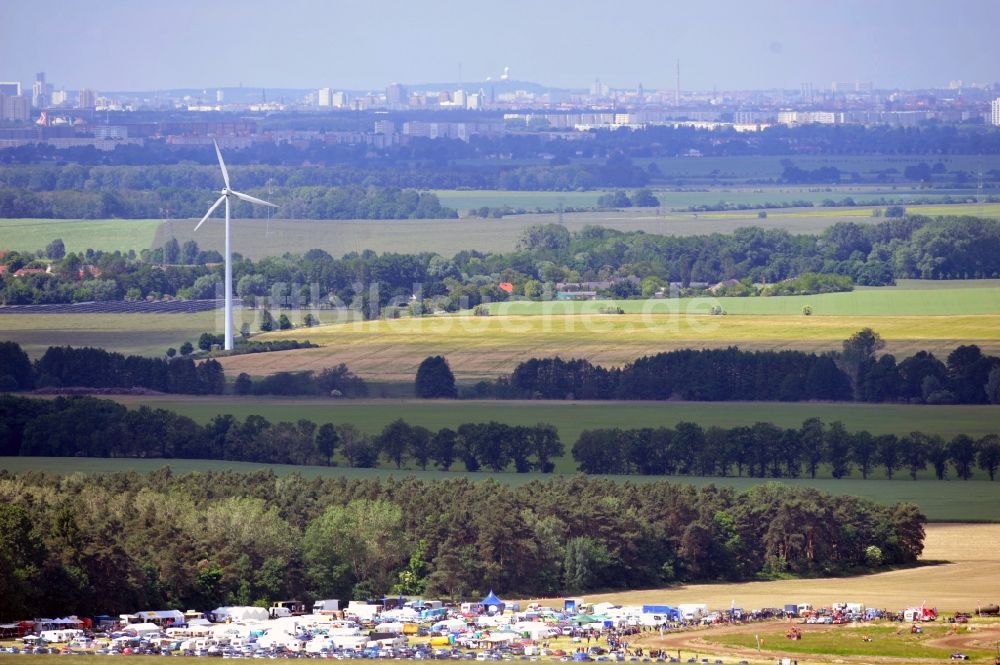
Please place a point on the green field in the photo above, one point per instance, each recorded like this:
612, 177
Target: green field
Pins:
464, 199
749, 168
941, 501
143, 334
257, 238
79, 234
877, 302
682, 198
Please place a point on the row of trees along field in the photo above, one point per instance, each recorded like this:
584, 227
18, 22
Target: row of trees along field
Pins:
63, 366
857, 372
111, 543
764, 450
349, 202
68, 367
868, 254
89, 427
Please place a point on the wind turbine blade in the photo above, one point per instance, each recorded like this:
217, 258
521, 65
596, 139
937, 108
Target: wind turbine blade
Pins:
252, 199
225, 173
210, 211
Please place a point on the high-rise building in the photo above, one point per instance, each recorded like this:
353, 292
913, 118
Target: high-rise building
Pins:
396, 95
88, 98
41, 92
14, 108
220, 96
10, 88
996, 112
325, 97
59, 97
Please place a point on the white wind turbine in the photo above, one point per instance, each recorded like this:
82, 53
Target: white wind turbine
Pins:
227, 193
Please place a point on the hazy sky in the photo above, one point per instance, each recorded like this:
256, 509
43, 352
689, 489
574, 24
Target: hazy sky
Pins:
156, 44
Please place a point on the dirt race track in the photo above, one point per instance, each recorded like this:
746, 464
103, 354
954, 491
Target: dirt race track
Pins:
702, 643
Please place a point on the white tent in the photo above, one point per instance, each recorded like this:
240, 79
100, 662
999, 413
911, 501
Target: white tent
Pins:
162, 617
450, 625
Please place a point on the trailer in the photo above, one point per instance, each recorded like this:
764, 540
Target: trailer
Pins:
692, 611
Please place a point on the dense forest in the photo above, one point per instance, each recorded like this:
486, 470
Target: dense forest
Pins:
121, 542
866, 254
90, 427
857, 372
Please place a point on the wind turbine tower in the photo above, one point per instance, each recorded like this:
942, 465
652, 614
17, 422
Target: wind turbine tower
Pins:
227, 194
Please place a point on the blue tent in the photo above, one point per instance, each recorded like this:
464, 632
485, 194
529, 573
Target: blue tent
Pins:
492, 604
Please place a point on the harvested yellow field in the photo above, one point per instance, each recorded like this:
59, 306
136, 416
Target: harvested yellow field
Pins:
487, 347
968, 577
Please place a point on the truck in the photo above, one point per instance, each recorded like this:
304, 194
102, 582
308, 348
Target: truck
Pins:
791, 610
286, 608
328, 606
362, 610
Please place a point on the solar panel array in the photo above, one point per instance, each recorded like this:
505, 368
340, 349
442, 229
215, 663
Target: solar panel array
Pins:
118, 307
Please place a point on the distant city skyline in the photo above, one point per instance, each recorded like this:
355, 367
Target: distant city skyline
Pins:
161, 44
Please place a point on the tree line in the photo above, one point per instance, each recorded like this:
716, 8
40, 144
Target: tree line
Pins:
90, 427
765, 450
64, 366
115, 542
857, 372
864, 254
349, 202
